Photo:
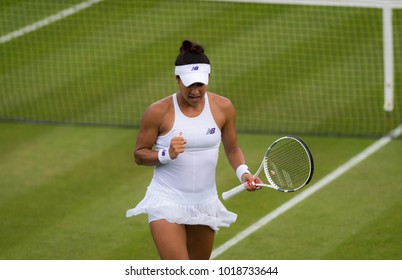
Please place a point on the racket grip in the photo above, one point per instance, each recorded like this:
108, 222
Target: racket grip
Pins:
234, 191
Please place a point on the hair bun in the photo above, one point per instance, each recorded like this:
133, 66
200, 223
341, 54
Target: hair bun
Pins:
186, 46
191, 52
189, 46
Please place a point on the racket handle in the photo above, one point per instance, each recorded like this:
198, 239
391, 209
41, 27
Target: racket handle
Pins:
234, 191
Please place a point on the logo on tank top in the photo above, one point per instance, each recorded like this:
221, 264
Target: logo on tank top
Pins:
211, 130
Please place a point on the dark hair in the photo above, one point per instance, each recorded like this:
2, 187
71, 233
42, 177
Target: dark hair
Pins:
191, 52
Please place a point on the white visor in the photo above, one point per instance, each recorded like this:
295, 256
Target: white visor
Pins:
193, 73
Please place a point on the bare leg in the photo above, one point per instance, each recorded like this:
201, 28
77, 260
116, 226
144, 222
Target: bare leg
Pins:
200, 240
182, 242
170, 240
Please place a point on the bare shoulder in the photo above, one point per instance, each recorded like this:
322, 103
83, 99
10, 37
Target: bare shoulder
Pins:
222, 109
222, 103
159, 116
160, 108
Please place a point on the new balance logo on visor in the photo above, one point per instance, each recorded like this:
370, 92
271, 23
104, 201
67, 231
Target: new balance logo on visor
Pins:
211, 130
195, 68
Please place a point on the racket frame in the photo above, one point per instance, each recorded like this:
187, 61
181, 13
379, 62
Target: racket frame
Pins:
263, 166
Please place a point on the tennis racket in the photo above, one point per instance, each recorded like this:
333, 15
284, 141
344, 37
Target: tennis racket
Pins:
287, 164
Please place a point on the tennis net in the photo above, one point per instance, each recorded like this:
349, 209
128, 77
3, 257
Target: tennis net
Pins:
288, 68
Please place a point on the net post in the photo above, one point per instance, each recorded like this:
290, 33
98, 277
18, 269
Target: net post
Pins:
388, 58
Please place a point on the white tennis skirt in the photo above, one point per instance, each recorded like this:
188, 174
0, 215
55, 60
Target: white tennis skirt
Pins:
211, 213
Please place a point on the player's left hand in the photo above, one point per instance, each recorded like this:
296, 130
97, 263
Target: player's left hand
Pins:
252, 182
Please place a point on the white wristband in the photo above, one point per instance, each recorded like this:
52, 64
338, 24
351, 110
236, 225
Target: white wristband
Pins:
240, 170
163, 156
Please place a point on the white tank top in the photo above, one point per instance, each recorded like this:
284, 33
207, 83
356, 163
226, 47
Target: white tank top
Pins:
190, 178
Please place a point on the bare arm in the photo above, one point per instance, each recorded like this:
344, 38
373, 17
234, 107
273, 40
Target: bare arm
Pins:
147, 135
155, 121
233, 151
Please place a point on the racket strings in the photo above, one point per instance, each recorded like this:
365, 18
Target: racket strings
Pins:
288, 164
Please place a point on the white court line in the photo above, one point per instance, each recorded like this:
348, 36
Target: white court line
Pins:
49, 20
309, 191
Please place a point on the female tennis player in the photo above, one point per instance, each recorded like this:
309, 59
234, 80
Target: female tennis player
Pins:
180, 135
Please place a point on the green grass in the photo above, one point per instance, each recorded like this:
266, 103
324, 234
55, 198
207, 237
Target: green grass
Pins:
65, 191
303, 70
63, 174
355, 217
